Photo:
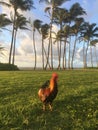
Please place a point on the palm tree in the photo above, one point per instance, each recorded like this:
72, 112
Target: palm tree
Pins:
56, 40
93, 43
89, 34
20, 23
4, 21
44, 31
23, 5
75, 11
75, 30
54, 4
84, 27
59, 17
36, 26
66, 30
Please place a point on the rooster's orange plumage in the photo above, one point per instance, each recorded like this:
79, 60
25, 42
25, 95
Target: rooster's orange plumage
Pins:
48, 92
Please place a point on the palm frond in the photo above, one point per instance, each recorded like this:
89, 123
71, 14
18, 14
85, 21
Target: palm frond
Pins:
37, 24
46, 1
6, 29
21, 22
59, 2
4, 21
5, 4
77, 10
54, 2
1, 49
45, 30
47, 9
22, 4
94, 42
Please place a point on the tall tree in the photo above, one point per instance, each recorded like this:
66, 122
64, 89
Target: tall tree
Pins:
4, 21
23, 5
89, 34
20, 23
56, 40
59, 17
75, 30
44, 33
36, 26
75, 11
50, 9
93, 43
66, 30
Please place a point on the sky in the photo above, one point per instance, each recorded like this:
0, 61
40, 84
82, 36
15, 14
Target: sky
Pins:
24, 45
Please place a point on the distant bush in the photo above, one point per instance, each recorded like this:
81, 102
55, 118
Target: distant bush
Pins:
92, 67
6, 66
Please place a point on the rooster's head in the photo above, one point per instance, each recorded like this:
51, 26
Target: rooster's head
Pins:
55, 75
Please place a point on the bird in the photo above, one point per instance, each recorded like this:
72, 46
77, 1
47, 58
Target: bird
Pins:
48, 91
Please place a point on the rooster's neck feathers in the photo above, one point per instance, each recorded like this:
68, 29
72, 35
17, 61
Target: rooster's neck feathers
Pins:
46, 84
51, 85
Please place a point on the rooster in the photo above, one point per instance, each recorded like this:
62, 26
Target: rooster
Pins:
48, 91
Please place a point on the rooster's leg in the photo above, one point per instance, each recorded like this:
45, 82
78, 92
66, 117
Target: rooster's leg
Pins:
44, 107
50, 106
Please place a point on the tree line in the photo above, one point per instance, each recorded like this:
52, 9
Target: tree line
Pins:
71, 27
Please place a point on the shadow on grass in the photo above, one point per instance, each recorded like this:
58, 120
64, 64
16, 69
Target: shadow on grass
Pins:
74, 112
71, 113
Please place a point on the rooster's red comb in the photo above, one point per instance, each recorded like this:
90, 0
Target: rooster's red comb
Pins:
55, 75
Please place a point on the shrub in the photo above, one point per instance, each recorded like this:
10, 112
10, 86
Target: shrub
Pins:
6, 66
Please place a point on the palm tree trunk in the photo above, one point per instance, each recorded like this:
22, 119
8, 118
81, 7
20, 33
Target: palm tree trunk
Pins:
69, 53
34, 49
84, 59
91, 57
47, 62
96, 56
51, 52
10, 54
50, 45
86, 55
73, 53
50, 37
14, 47
59, 65
46, 57
50, 49
64, 55
12, 38
58, 52
42, 53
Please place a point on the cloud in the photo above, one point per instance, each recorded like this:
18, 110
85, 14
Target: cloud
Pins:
5, 53
79, 56
25, 46
85, 3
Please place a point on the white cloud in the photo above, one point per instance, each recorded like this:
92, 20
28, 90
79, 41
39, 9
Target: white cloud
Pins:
85, 2
25, 46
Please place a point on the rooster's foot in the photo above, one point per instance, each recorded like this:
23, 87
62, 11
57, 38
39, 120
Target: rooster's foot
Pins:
44, 107
50, 107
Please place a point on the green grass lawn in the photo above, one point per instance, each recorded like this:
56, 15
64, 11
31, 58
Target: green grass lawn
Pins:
75, 108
